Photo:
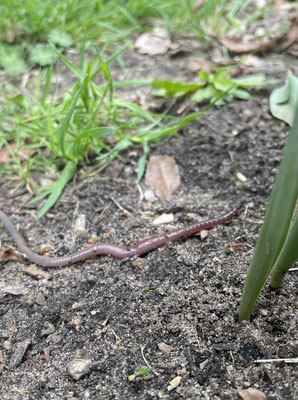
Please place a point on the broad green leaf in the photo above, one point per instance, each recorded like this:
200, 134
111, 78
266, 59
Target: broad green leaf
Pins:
222, 84
204, 93
254, 81
172, 88
276, 224
284, 99
43, 54
207, 76
11, 59
144, 370
241, 94
62, 39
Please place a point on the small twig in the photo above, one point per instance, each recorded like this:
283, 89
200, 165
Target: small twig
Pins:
98, 171
103, 211
286, 360
119, 205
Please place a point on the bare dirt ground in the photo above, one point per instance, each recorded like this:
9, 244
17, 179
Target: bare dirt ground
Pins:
115, 316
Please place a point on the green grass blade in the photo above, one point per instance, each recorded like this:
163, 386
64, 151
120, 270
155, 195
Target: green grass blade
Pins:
46, 192
77, 71
142, 162
62, 130
276, 224
107, 74
110, 59
287, 257
47, 85
56, 189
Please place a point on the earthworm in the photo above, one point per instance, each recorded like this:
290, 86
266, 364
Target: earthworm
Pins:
143, 247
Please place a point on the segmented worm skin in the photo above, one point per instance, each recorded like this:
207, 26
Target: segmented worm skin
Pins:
143, 247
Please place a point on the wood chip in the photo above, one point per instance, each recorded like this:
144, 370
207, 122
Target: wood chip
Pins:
174, 383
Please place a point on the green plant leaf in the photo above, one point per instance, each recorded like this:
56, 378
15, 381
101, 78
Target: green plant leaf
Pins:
77, 71
144, 370
257, 80
204, 93
43, 54
173, 88
287, 257
142, 162
62, 39
276, 224
283, 100
62, 129
241, 94
11, 59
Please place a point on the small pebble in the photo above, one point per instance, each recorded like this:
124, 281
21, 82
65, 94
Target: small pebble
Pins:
165, 348
47, 329
203, 234
80, 223
40, 299
201, 275
139, 263
19, 350
79, 368
7, 345
163, 219
149, 196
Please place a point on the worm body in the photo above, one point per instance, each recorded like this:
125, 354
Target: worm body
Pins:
143, 247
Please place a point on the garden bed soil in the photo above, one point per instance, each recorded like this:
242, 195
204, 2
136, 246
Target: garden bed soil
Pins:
174, 309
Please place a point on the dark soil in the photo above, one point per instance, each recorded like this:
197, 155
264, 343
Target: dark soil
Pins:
186, 295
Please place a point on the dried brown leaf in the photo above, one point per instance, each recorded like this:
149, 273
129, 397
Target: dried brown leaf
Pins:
37, 272
9, 254
278, 43
23, 154
162, 174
